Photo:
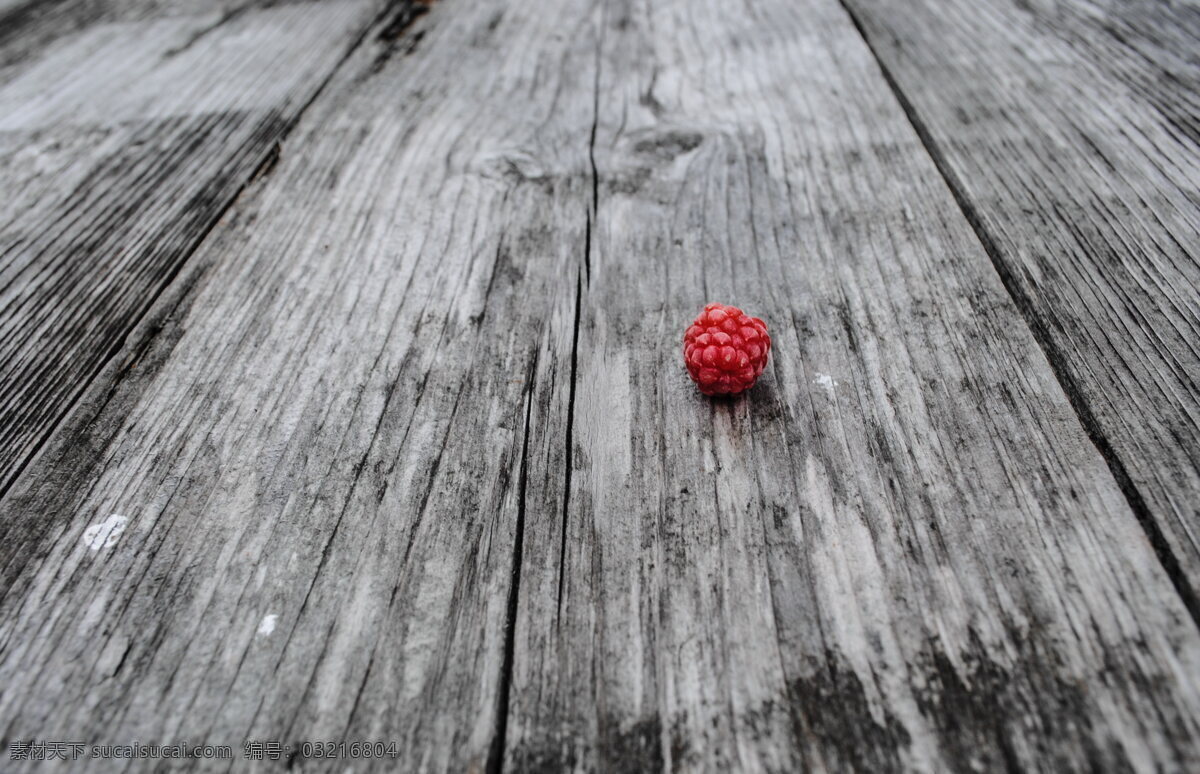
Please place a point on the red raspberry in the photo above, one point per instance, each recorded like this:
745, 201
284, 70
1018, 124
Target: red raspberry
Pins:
725, 350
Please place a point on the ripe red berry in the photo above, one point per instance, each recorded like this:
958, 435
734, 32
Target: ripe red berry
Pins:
725, 350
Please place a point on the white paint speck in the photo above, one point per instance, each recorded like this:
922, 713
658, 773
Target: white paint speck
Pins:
104, 535
268, 624
826, 381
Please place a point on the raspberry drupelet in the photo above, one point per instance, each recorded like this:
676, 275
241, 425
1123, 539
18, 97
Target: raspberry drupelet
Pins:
725, 350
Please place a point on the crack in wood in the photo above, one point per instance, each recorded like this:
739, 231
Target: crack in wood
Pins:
570, 440
495, 759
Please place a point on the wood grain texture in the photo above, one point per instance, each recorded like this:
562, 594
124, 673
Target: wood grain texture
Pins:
321, 476
120, 145
900, 550
1071, 133
29, 27
412, 456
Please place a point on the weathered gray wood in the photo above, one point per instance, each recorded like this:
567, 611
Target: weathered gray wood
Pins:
321, 477
900, 551
423, 379
28, 27
1071, 133
120, 145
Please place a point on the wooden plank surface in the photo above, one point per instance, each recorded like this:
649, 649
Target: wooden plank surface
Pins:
120, 145
900, 551
412, 456
1071, 133
317, 488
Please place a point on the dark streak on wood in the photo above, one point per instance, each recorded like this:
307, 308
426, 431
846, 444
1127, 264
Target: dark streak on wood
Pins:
227, 17
30, 26
394, 33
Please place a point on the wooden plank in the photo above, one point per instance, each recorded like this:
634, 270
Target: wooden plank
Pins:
316, 470
1069, 132
900, 551
120, 145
